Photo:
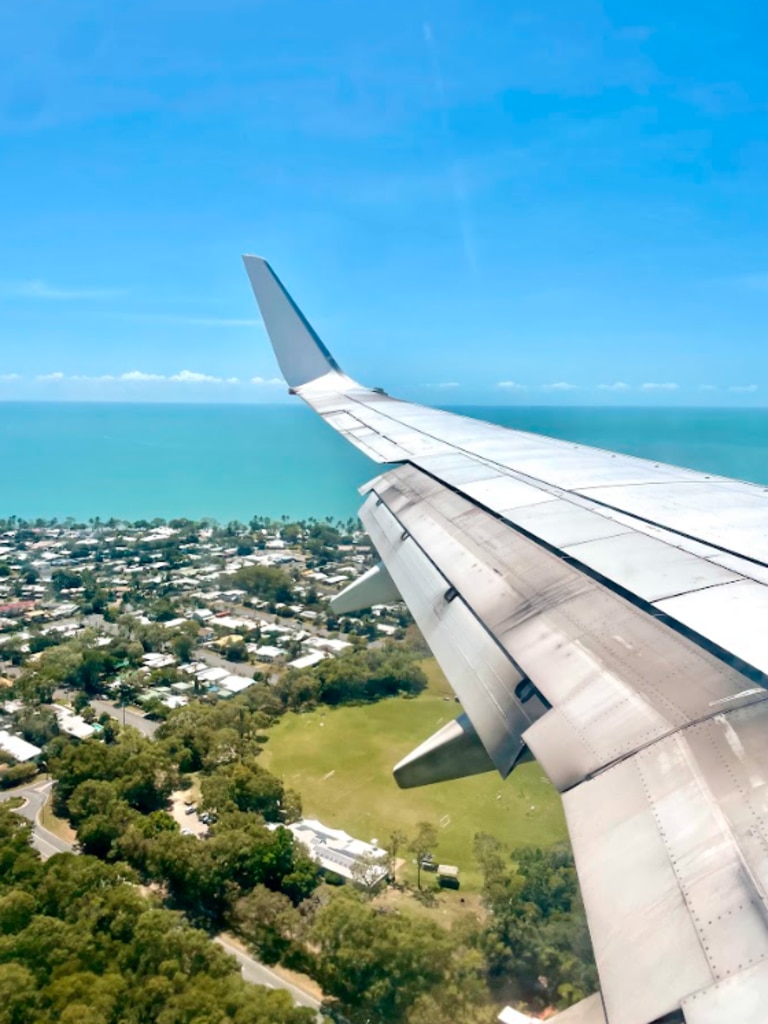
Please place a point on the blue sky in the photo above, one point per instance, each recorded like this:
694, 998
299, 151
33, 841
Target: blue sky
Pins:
473, 202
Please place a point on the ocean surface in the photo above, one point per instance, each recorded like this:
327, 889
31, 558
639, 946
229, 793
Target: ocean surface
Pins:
234, 461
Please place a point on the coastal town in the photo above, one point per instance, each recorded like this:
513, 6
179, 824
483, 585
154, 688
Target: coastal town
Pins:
215, 610
167, 614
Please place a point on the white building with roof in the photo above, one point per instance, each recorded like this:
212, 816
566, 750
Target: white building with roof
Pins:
235, 684
18, 748
212, 674
73, 725
325, 643
337, 851
308, 660
510, 1016
266, 653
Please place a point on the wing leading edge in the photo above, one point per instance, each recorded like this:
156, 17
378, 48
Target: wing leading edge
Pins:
599, 612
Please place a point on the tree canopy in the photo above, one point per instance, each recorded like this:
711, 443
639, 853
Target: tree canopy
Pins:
80, 944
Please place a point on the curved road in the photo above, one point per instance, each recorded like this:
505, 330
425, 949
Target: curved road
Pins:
35, 796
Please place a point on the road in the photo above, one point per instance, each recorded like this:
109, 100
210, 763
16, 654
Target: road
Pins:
35, 796
257, 974
144, 725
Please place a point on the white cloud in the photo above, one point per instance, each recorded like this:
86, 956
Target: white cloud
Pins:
43, 290
511, 385
560, 385
137, 375
618, 386
707, 387
651, 386
10, 376
743, 388
192, 377
140, 377
447, 384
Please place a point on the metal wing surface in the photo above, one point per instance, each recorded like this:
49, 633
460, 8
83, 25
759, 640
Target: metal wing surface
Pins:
609, 616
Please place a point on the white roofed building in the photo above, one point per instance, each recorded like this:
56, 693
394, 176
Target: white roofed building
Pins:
308, 660
73, 725
235, 684
510, 1016
18, 748
337, 851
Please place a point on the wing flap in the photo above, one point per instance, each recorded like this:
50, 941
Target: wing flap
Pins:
480, 673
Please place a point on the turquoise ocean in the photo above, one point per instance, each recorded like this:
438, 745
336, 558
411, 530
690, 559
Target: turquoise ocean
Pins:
234, 461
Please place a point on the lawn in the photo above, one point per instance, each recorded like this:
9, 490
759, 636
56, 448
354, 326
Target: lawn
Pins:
340, 761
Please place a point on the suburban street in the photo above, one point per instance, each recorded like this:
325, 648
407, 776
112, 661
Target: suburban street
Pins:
144, 725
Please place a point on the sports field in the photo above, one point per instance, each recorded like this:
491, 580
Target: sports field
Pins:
340, 761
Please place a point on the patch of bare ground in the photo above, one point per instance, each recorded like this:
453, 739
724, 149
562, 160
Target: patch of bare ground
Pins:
448, 907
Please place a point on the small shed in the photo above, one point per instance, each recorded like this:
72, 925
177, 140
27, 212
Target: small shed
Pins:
448, 876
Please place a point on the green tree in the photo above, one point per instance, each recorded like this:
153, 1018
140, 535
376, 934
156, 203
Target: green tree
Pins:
265, 582
18, 994
397, 840
376, 965
536, 941
423, 842
268, 922
244, 786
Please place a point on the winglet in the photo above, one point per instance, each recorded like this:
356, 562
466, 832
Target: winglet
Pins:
301, 354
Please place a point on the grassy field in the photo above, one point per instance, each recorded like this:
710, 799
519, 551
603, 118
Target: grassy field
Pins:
340, 761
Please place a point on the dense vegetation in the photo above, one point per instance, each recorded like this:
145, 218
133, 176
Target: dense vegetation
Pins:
80, 944
115, 795
377, 967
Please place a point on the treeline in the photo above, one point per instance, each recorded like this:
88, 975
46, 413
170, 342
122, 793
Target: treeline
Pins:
357, 676
80, 944
234, 527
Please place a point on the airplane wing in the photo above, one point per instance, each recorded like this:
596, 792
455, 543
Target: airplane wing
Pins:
607, 615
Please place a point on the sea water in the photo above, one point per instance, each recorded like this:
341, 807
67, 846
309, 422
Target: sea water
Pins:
233, 461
